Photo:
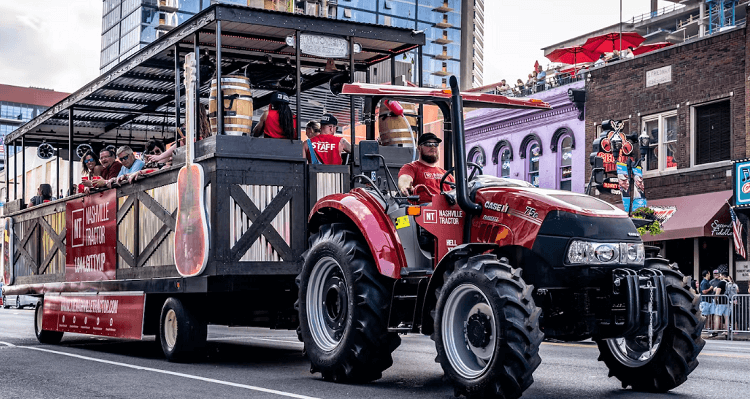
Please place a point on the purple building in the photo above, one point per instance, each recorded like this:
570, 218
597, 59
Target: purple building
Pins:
544, 147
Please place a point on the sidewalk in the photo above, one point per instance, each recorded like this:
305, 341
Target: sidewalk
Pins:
740, 336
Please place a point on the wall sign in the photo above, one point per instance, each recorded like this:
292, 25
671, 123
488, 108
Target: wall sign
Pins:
742, 183
91, 238
323, 46
658, 76
742, 270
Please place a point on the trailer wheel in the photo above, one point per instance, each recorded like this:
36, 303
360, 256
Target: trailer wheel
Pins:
181, 332
44, 336
343, 308
678, 346
487, 329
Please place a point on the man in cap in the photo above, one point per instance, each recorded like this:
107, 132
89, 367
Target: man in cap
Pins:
425, 170
326, 147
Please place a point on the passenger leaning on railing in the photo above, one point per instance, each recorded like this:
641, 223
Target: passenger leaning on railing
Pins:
43, 194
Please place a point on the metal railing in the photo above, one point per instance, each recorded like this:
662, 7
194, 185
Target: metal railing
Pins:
657, 13
726, 314
538, 87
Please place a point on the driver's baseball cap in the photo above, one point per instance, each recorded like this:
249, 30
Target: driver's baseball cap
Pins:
328, 119
428, 137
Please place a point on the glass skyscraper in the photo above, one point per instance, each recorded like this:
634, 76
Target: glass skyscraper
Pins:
453, 28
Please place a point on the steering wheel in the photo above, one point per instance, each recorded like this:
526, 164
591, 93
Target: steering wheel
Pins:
475, 169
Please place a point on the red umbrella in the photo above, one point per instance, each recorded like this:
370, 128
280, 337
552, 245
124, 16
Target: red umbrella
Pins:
609, 42
572, 55
645, 48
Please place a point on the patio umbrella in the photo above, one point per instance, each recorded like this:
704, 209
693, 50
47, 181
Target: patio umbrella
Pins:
645, 48
572, 55
609, 42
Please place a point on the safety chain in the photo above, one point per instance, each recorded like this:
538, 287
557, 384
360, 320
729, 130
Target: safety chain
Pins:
650, 319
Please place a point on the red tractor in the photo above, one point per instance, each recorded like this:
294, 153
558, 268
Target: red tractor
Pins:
488, 270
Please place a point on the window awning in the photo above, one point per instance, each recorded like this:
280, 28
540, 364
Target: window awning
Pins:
701, 215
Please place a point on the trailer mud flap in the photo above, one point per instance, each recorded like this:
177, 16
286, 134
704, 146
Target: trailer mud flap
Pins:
118, 315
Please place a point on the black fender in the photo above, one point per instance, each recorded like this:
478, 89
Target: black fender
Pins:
462, 251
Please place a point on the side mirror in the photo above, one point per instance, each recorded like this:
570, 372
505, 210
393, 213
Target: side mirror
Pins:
368, 162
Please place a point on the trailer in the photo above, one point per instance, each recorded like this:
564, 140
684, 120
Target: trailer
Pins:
104, 263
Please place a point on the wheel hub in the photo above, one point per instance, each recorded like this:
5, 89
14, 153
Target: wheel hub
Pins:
335, 305
327, 304
478, 330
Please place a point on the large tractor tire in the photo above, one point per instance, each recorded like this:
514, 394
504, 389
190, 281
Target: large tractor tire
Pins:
182, 333
44, 336
343, 308
487, 329
676, 349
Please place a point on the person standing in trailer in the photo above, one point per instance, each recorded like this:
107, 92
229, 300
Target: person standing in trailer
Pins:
326, 147
278, 122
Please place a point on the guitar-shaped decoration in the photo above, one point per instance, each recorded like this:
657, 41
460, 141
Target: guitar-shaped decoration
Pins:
191, 229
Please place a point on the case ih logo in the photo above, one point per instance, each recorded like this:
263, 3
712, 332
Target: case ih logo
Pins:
430, 216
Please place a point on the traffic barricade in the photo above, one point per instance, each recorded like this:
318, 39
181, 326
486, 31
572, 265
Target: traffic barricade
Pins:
740, 316
717, 310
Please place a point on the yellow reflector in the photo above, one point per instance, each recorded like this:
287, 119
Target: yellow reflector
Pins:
414, 210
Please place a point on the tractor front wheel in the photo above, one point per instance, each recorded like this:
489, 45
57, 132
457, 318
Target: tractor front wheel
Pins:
674, 352
343, 308
487, 329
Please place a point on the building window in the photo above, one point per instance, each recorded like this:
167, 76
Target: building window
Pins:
503, 167
565, 175
712, 133
347, 12
476, 155
662, 152
534, 153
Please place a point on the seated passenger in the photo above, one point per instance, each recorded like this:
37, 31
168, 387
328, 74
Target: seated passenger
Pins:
326, 147
90, 166
110, 171
425, 170
278, 121
43, 193
153, 147
129, 163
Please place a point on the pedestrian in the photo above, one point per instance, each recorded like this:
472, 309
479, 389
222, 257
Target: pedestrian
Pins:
706, 289
721, 310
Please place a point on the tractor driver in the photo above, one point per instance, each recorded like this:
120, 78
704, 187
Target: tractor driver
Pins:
425, 170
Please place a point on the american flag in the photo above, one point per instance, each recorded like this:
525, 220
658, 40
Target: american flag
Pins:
739, 246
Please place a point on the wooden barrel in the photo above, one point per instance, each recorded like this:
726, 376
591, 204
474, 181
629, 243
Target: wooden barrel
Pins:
394, 130
238, 105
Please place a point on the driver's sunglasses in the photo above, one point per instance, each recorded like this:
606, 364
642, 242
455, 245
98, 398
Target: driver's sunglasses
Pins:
431, 144
125, 158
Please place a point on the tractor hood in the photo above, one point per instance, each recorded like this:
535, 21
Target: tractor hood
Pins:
529, 211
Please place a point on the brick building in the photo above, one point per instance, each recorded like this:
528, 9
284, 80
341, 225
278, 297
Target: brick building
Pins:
691, 99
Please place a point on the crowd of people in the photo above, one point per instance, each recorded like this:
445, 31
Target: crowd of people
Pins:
540, 79
717, 292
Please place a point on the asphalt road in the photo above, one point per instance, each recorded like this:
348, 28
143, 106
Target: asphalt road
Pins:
259, 363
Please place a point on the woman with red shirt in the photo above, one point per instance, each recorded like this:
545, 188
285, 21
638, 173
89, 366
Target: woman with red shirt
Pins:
278, 122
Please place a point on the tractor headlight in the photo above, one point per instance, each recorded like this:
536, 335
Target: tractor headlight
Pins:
586, 252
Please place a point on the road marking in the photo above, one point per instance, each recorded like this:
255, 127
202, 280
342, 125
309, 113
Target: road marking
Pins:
570, 345
173, 373
278, 341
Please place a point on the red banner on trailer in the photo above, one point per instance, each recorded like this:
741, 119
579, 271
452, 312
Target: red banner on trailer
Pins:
117, 315
91, 238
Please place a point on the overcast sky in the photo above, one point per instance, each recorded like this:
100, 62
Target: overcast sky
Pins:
56, 43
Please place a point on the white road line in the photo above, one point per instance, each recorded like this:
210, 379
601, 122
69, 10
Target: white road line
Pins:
279, 341
153, 370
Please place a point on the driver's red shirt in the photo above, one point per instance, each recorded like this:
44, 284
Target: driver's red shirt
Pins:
428, 175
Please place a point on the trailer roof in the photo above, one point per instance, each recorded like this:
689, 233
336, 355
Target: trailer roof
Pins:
473, 100
134, 101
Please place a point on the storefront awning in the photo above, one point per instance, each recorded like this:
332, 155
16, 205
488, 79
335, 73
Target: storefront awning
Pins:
701, 215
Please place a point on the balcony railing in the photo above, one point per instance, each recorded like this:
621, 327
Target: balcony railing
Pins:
549, 83
666, 10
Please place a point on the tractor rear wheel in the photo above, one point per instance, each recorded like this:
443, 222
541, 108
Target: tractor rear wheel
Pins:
675, 351
487, 329
343, 308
